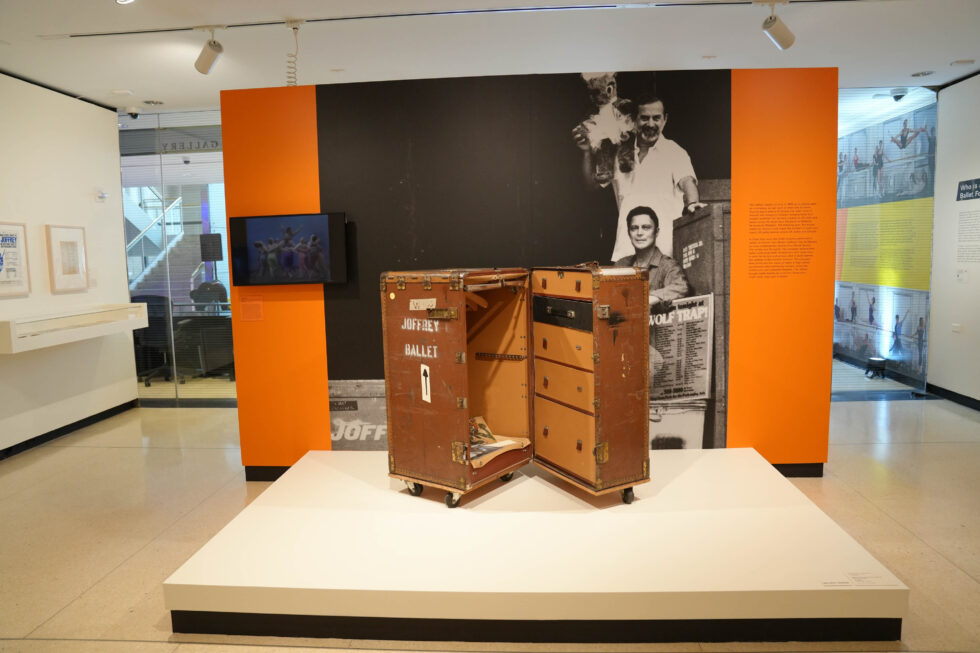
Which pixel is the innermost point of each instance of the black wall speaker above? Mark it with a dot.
(211, 247)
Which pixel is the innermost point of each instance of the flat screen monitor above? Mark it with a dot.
(274, 250)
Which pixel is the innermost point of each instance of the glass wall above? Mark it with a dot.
(885, 176)
(174, 211)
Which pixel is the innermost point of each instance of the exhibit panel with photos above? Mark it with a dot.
(884, 241)
(616, 168)
(562, 202)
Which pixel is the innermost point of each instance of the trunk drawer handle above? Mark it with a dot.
(569, 314)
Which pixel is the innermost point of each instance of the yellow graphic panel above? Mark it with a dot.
(889, 244)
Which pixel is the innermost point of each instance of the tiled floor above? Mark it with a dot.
(848, 378)
(92, 523)
(191, 388)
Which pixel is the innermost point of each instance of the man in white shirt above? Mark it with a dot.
(651, 170)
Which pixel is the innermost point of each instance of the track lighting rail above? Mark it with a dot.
(457, 12)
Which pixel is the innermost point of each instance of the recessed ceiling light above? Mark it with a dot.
(923, 73)
(709, 56)
(963, 62)
(152, 103)
(124, 2)
(122, 91)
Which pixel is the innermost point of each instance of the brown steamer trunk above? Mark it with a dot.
(591, 369)
(458, 344)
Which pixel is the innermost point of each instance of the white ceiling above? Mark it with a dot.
(858, 108)
(873, 42)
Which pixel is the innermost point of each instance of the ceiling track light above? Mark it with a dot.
(774, 27)
(210, 52)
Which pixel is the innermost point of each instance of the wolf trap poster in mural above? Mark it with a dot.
(623, 168)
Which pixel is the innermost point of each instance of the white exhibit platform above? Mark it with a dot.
(717, 546)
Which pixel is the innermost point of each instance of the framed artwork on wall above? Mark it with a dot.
(15, 279)
(67, 262)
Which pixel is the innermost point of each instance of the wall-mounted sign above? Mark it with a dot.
(170, 140)
(968, 190)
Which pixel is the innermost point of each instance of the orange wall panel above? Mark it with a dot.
(270, 160)
(784, 140)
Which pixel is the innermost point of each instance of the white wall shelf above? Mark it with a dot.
(38, 331)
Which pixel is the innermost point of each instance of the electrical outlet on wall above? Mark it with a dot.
(957, 327)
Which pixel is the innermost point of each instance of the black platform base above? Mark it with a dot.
(800, 470)
(484, 630)
(263, 473)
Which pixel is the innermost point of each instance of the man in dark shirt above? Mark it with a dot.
(667, 280)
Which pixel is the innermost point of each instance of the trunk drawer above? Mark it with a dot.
(565, 437)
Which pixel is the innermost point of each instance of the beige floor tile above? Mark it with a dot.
(62, 536)
(35, 467)
(943, 614)
(902, 421)
(929, 627)
(931, 489)
(197, 428)
(793, 647)
(190, 643)
(128, 602)
(80, 646)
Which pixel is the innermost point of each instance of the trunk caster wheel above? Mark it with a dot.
(414, 489)
(508, 477)
(452, 499)
(628, 495)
